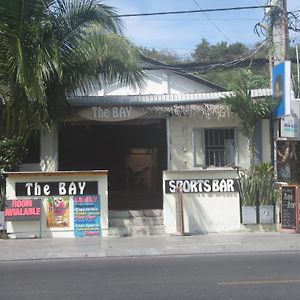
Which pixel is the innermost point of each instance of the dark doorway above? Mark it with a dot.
(134, 155)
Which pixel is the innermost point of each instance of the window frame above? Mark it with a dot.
(199, 133)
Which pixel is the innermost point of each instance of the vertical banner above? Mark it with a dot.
(87, 216)
(281, 86)
(58, 212)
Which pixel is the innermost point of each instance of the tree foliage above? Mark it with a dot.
(222, 51)
(51, 49)
(258, 75)
(228, 78)
(165, 55)
(248, 110)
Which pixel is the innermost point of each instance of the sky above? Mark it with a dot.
(181, 33)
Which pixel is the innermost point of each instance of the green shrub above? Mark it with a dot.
(258, 185)
(11, 154)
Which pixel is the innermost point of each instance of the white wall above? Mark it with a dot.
(203, 212)
(158, 82)
(49, 151)
(29, 228)
(181, 144)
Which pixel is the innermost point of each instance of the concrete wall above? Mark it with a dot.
(181, 141)
(203, 212)
(30, 228)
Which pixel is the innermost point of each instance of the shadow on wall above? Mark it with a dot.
(211, 213)
(198, 219)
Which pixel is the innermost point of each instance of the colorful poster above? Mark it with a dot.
(23, 210)
(58, 212)
(87, 216)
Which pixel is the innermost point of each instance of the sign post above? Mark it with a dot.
(289, 207)
(2, 223)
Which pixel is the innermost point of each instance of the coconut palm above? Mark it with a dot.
(52, 49)
(249, 111)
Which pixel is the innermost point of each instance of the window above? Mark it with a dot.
(214, 147)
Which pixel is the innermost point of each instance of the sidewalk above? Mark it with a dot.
(61, 248)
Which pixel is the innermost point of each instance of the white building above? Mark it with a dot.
(175, 131)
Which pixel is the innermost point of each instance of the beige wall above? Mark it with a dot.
(181, 141)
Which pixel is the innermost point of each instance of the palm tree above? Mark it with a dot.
(50, 50)
(249, 111)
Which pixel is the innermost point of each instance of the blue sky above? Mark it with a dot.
(181, 33)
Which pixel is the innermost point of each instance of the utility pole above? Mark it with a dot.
(279, 32)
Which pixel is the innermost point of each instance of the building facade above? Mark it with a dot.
(173, 135)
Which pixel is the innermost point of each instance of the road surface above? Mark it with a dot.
(235, 276)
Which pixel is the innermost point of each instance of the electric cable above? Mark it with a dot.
(213, 23)
(193, 11)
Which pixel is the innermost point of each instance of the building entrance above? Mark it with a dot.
(133, 152)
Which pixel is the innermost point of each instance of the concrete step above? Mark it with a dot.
(135, 213)
(136, 221)
(136, 231)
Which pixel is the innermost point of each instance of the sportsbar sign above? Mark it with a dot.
(61, 188)
(22, 210)
(202, 185)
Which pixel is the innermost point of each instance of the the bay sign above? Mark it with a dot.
(60, 188)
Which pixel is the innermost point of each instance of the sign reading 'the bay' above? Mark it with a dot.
(111, 114)
(202, 185)
(60, 188)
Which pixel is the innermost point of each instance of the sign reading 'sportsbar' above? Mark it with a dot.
(60, 188)
(202, 185)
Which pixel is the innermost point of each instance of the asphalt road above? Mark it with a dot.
(235, 276)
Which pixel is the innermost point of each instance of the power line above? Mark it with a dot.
(247, 59)
(194, 11)
(213, 23)
(197, 19)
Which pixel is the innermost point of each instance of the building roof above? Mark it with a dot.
(160, 100)
(158, 65)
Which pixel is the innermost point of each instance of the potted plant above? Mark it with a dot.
(248, 195)
(267, 193)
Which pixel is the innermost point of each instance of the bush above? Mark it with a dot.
(11, 154)
(258, 185)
